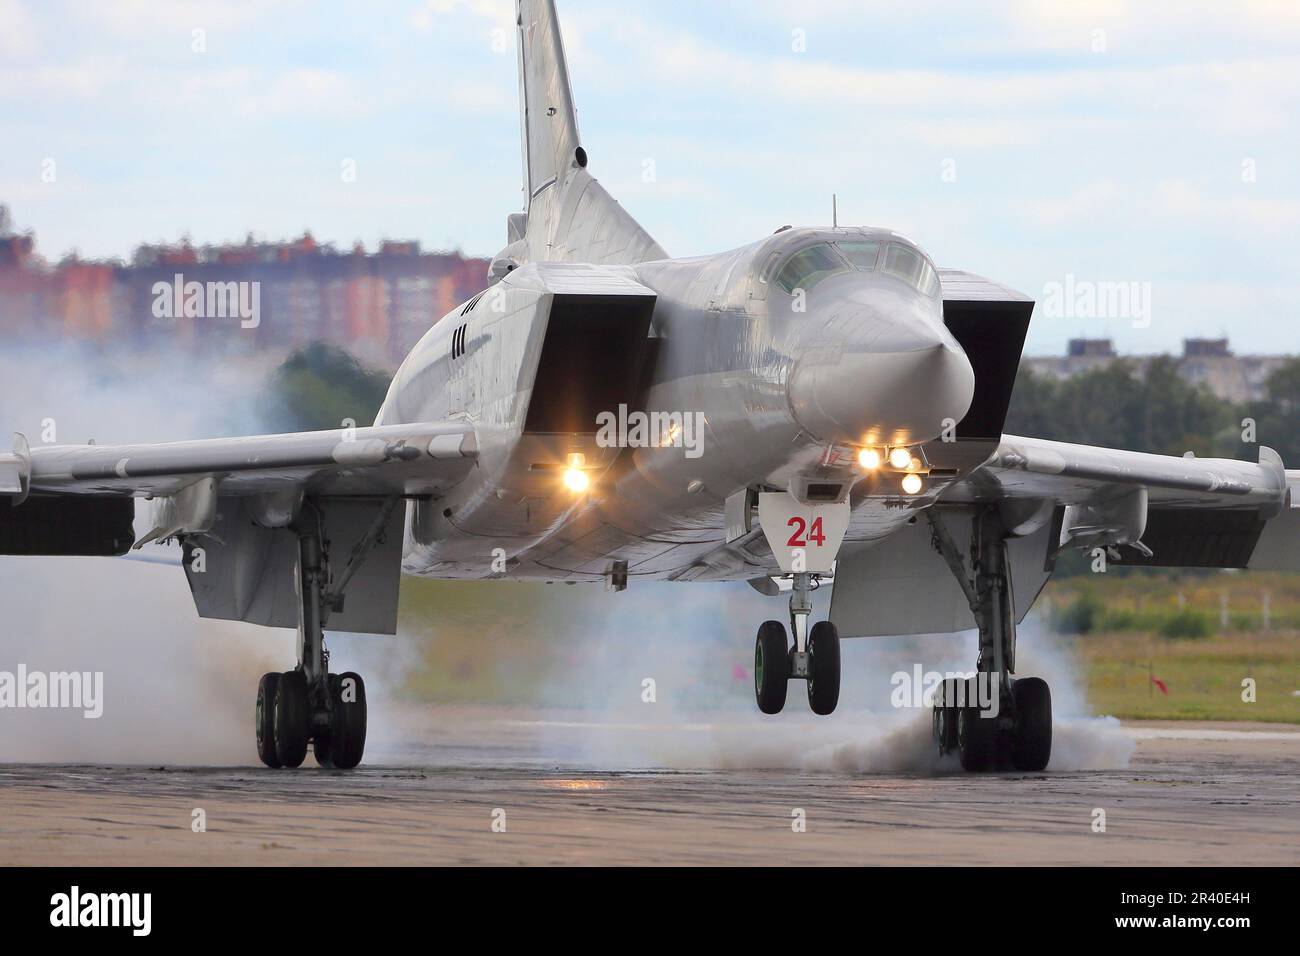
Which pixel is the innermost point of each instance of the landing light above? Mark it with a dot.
(576, 480)
(900, 457)
(869, 459)
(912, 484)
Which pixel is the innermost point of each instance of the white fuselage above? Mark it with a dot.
(783, 382)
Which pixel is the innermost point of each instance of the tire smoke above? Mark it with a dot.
(687, 640)
(177, 689)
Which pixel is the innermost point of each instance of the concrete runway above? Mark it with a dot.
(1190, 795)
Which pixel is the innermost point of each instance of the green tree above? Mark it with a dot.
(319, 387)
(1034, 404)
(1177, 417)
(1278, 416)
(1153, 410)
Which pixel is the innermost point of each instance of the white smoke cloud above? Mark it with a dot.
(696, 642)
(177, 689)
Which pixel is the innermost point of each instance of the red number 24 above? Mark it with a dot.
(815, 533)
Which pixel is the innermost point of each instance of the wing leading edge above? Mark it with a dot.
(76, 499)
(384, 459)
(1162, 510)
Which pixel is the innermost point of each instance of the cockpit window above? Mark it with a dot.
(930, 281)
(910, 266)
(863, 255)
(809, 266)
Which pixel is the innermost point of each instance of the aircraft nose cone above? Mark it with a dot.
(903, 389)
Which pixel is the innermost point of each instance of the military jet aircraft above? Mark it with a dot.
(820, 399)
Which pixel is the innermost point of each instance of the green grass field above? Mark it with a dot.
(1127, 643)
(1204, 677)
(498, 641)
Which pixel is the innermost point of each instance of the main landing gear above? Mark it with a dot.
(308, 704)
(992, 721)
(815, 656)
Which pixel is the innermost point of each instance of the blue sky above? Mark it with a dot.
(1110, 141)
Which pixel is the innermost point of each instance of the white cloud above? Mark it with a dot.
(311, 91)
(427, 14)
(87, 79)
(1188, 201)
(19, 35)
(146, 17)
(1083, 205)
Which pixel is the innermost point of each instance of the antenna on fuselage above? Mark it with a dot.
(835, 212)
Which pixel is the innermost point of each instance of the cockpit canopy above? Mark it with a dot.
(807, 267)
(810, 265)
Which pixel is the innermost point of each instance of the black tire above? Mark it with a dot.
(322, 741)
(292, 719)
(264, 717)
(977, 735)
(771, 667)
(1031, 744)
(348, 731)
(823, 668)
(320, 748)
(945, 716)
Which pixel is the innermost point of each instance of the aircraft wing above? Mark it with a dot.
(1160, 510)
(378, 460)
(1142, 509)
(76, 499)
(1070, 473)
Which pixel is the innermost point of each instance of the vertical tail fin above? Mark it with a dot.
(571, 218)
(548, 123)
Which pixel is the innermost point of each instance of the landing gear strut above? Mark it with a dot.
(991, 720)
(309, 704)
(814, 658)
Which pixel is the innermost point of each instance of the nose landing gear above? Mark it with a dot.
(814, 658)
